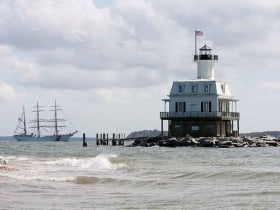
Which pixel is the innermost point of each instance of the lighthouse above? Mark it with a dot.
(201, 106)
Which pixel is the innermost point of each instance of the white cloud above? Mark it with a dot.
(7, 93)
(61, 39)
(117, 51)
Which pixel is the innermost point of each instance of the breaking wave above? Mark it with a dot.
(75, 170)
(100, 162)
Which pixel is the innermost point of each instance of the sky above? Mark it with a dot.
(109, 63)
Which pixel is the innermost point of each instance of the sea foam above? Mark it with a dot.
(64, 169)
(100, 162)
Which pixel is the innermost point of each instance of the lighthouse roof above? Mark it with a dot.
(205, 48)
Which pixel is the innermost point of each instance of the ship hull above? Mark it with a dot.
(64, 138)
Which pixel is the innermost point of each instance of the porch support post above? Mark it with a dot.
(237, 127)
(221, 130)
(162, 129)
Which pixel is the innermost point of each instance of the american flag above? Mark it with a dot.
(199, 33)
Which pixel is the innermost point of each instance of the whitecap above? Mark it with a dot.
(100, 162)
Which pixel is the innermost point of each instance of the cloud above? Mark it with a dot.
(113, 51)
(47, 24)
(7, 93)
(54, 40)
(144, 42)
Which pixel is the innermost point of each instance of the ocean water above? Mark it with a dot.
(64, 175)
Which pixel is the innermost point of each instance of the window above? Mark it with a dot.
(180, 89)
(195, 128)
(206, 88)
(180, 107)
(193, 89)
(223, 88)
(206, 106)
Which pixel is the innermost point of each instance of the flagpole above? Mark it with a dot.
(196, 33)
(195, 42)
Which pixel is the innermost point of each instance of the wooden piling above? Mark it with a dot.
(97, 140)
(84, 140)
(114, 142)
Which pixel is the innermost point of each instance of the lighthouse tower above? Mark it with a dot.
(205, 63)
(202, 106)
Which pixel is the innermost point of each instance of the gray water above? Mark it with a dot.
(64, 175)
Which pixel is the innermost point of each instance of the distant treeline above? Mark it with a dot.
(145, 133)
(257, 134)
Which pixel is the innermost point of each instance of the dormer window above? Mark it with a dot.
(180, 88)
(223, 88)
(193, 90)
(206, 88)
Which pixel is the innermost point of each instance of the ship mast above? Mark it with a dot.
(38, 119)
(55, 119)
(24, 122)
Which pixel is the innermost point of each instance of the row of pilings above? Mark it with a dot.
(104, 139)
(219, 142)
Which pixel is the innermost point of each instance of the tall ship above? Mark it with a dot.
(44, 129)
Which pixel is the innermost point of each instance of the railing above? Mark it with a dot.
(205, 57)
(223, 115)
